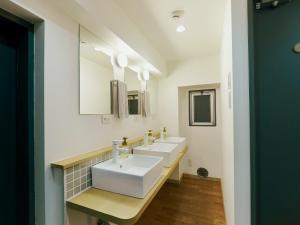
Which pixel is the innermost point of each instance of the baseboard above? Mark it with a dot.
(173, 181)
(202, 178)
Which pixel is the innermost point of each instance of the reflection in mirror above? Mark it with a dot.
(133, 88)
(133, 103)
(96, 72)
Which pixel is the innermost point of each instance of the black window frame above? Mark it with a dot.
(214, 114)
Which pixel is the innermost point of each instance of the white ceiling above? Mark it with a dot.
(203, 20)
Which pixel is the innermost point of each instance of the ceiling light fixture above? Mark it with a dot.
(177, 16)
(180, 28)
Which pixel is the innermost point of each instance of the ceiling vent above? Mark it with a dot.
(177, 14)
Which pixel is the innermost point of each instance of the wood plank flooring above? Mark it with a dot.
(196, 201)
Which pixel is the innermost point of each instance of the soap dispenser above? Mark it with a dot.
(150, 137)
(164, 133)
(124, 150)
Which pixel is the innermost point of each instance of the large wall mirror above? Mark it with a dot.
(96, 72)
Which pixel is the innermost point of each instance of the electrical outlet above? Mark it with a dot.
(107, 119)
(190, 162)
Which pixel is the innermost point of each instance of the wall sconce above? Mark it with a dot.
(120, 60)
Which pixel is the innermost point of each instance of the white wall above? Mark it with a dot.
(67, 133)
(241, 112)
(152, 88)
(188, 73)
(94, 87)
(236, 148)
(227, 118)
(204, 141)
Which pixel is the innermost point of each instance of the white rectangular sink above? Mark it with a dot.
(167, 151)
(134, 176)
(180, 141)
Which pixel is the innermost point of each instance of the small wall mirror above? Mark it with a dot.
(96, 72)
(133, 88)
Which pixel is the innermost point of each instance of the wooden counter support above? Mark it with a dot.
(116, 208)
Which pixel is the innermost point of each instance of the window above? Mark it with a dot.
(133, 103)
(202, 108)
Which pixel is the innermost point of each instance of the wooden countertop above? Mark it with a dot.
(117, 208)
(66, 163)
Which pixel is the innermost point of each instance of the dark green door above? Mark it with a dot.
(16, 134)
(8, 59)
(275, 115)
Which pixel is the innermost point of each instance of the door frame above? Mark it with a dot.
(252, 93)
(30, 108)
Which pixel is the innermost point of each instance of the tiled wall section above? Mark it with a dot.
(78, 178)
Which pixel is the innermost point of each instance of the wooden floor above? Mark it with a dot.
(196, 201)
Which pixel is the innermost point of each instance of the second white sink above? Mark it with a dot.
(167, 151)
(180, 141)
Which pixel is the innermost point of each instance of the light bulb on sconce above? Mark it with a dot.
(139, 76)
(122, 60)
(113, 60)
(119, 60)
(146, 75)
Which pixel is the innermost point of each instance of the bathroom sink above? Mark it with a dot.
(134, 176)
(167, 151)
(180, 141)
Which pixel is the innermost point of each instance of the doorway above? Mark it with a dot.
(275, 107)
(17, 145)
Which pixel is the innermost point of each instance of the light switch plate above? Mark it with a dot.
(229, 99)
(107, 119)
(229, 84)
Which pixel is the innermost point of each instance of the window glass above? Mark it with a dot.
(133, 103)
(202, 108)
